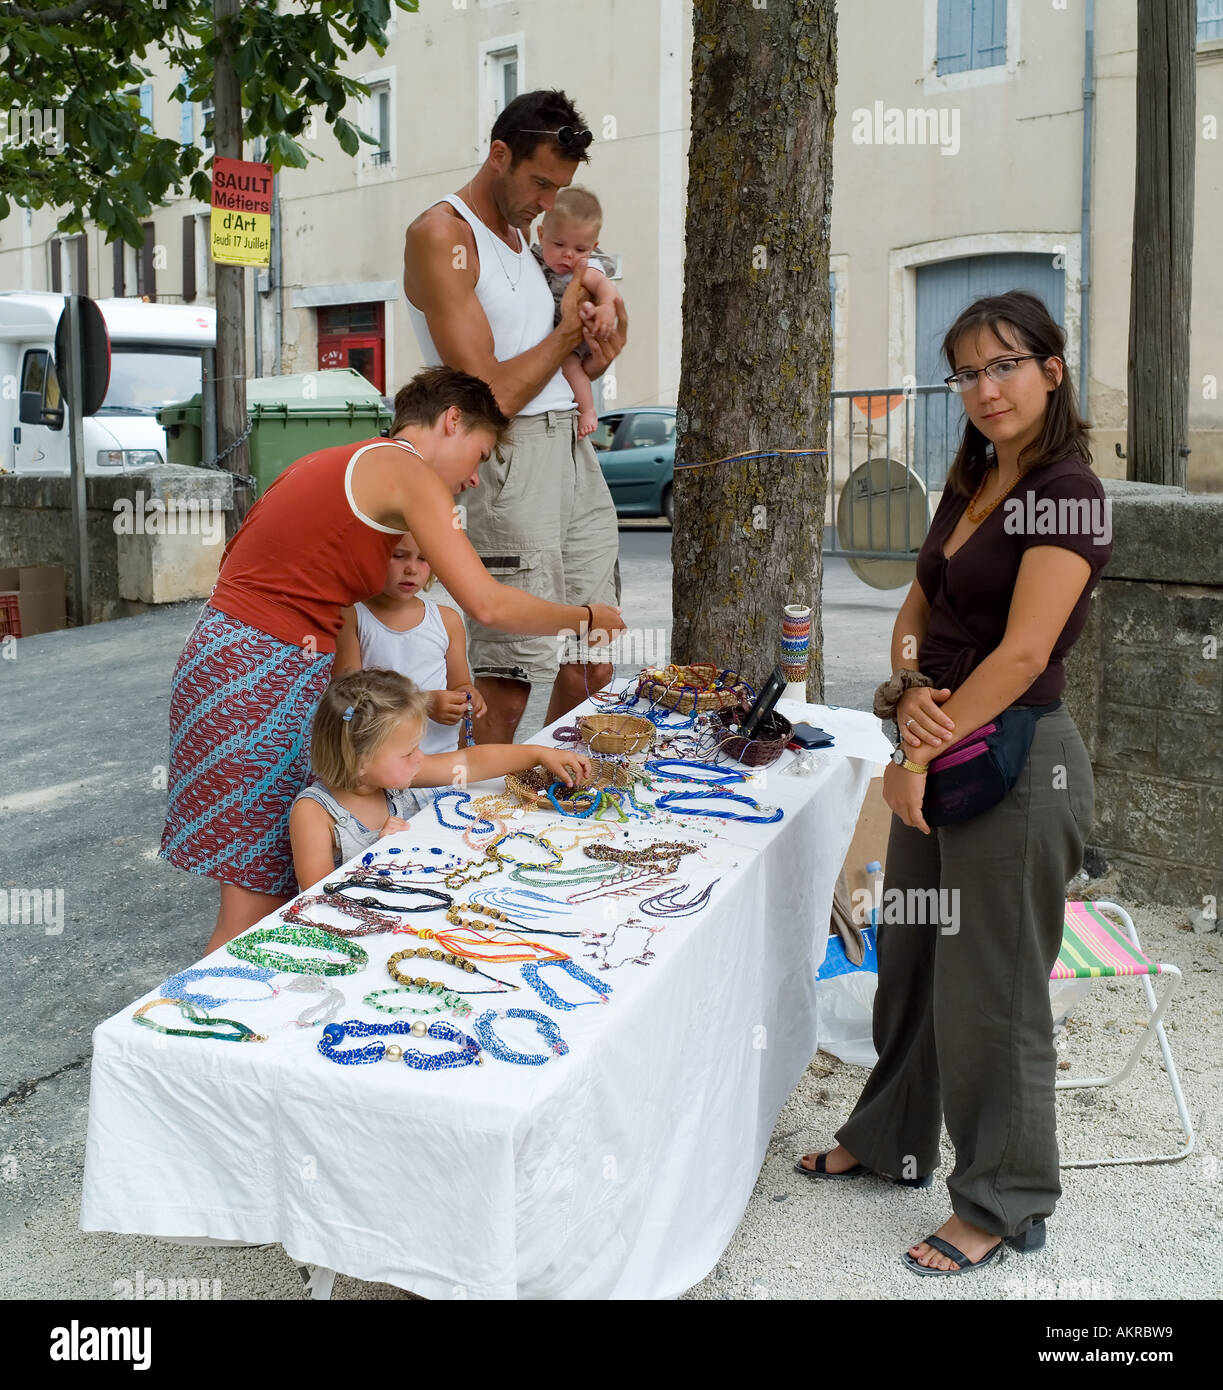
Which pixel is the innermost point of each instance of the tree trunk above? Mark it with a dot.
(231, 284)
(757, 354)
(1157, 432)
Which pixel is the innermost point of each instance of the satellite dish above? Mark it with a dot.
(879, 489)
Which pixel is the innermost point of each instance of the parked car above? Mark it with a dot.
(636, 449)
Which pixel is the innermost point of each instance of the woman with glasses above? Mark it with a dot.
(962, 1022)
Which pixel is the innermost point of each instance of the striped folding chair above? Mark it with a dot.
(1092, 948)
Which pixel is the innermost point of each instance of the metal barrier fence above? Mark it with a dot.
(888, 450)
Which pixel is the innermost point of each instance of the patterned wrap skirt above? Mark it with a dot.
(242, 704)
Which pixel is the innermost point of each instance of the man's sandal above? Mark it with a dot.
(1029, 1241)
(859, 1170)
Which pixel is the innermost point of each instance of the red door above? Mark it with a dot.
(352, 335)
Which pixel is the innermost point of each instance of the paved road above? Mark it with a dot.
(82, 793)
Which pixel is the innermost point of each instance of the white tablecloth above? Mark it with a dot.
(620, 1170)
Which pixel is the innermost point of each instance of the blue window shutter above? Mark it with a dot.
(954, 35)
(988, 33)
(188, 120)
(1210, 19)
(146, 104)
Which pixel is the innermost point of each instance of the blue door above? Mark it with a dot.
(943, 290)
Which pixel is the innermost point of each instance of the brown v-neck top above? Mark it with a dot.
(1060, 503)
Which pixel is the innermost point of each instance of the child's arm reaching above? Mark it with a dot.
(603, 293)
(485, 760)
(449, 706)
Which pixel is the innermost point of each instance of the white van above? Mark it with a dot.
(156, 358)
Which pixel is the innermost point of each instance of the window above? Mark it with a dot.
(971, 34)
(207, 115)
(605, 432)
(379, 124)
(648, 430)
(505, 77)
(146, 271)
(502, 76)
(187, 118)
(146, 104)
(69, 265)
(205, 266)
(123, 269)
(1210, 20)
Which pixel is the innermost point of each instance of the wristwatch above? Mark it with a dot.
(899, 758)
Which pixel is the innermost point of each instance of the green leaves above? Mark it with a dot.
(111, 167)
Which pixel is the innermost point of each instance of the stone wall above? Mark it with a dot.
(155, 536)
(1145, 686)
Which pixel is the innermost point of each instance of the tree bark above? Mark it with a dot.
(230, 283)
(757, 354)
(1157, 430)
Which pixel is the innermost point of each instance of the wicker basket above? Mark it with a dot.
(767, 745)
(531, 786)
(694, 689)
(616, 733)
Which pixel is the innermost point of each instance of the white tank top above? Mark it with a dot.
(419, 654)
(517, 302)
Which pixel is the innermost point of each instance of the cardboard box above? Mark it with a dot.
(40, 596)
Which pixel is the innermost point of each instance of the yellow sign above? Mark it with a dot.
(241, 212)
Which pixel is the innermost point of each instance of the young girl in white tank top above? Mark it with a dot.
(399, 630)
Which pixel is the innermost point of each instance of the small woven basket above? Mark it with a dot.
(766, 747)
(616, 733)
(531, 786)
(695, 689)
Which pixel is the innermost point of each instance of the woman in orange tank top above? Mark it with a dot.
(244, 691)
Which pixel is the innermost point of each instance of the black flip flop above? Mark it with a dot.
(859, 1170)
(1026, 1243)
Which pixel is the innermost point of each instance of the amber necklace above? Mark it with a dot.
(978, 517)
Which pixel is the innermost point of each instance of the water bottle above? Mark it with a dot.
(874, 882)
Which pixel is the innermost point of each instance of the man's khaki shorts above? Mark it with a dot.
(542, 520)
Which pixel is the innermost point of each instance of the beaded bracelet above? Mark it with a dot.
(423, 1061)
(173, 987)
(243, 1034)
(250, 947)
(530, 973)
(491, 1043)
(449, 1000)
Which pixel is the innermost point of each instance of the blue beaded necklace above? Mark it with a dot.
(478, 824)
(530, 973)
(548, 1030)
(723, 776)
(335, 1033)
(173, 987)
(672, 799)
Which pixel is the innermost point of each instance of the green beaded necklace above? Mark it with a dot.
(449, 1000)
(189, 1010)
(250, 947)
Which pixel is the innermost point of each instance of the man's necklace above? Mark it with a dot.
(513, 284)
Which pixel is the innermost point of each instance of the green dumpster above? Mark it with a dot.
(291, 416)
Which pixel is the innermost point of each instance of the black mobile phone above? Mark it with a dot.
(808, 736)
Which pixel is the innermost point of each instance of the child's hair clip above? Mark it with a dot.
(347, 715)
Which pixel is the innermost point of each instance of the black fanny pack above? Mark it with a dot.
(978, 771)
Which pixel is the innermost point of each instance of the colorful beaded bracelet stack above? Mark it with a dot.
(251, 947)
(449, 1000)
(242, 1033)
(336, 1033)
(491, 1043)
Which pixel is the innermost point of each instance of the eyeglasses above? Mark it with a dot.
(1002, 370)
(567, 137)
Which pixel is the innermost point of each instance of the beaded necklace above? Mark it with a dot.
(335, 1033)
(464, 945)
(530, 973)
(251, 947)
(669, 799)
(648, 878)
(461, 799)
(242, 1033)
(522, 901)
(500, 922)
(606, 940)
(373, 922)
(723, 776)
(370, 861)
(435, 899)
(327, 1007)
(443, 958)
(660, 854)
(581, 835)
(668, 904)
(173, 988)
(491, 1043)
(449, 999)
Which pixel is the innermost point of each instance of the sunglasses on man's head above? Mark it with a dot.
(567, 137)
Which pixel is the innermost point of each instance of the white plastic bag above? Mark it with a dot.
(843, 1016)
